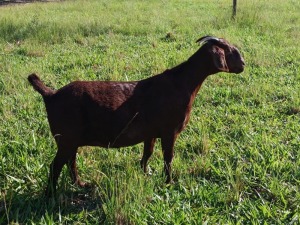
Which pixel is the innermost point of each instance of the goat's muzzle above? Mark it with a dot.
(239, 68)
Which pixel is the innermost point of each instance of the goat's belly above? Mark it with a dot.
(123, 138)
(124, 141)
(113, 143)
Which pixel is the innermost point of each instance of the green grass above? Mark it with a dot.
(237, 162)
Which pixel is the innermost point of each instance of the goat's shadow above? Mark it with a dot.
(28, 207)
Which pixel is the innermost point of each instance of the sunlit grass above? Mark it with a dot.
(237, 162)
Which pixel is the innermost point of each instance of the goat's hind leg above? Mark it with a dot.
(55, 169)
(63, 155)
(148, 150)
(74, 172)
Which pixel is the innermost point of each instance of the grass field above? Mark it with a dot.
(237, 162)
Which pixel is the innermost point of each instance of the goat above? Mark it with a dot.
(117, 114)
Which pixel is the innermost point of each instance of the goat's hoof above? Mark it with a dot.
(148, 171)
(169, 181)
(83, 184)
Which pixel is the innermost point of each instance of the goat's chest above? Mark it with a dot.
(178, 115)
(184, 120)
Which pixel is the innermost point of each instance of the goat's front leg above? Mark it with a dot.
(73, 171)
(168, 152)
(148, 150)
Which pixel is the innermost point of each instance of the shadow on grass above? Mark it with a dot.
(14, 2)
(28, 207)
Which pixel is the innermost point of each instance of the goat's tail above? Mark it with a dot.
(39, 86)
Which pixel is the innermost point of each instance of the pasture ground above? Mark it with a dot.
(237, 162)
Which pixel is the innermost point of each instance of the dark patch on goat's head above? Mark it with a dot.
(225, 57)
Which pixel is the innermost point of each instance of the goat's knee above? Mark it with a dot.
(148, 150)
(168, 151)
(168, 169)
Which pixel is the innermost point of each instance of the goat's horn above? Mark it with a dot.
(207, 38)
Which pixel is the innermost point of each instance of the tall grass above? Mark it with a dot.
(237, 162)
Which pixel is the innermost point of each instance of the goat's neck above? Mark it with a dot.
(191, 74)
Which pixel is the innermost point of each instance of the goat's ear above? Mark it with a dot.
(219, 58)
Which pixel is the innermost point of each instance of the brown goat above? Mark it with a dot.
(117, 114)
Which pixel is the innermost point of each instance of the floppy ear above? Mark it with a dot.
(219, 59)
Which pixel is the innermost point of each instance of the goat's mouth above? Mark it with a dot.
(241, 67)
(238, 70)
